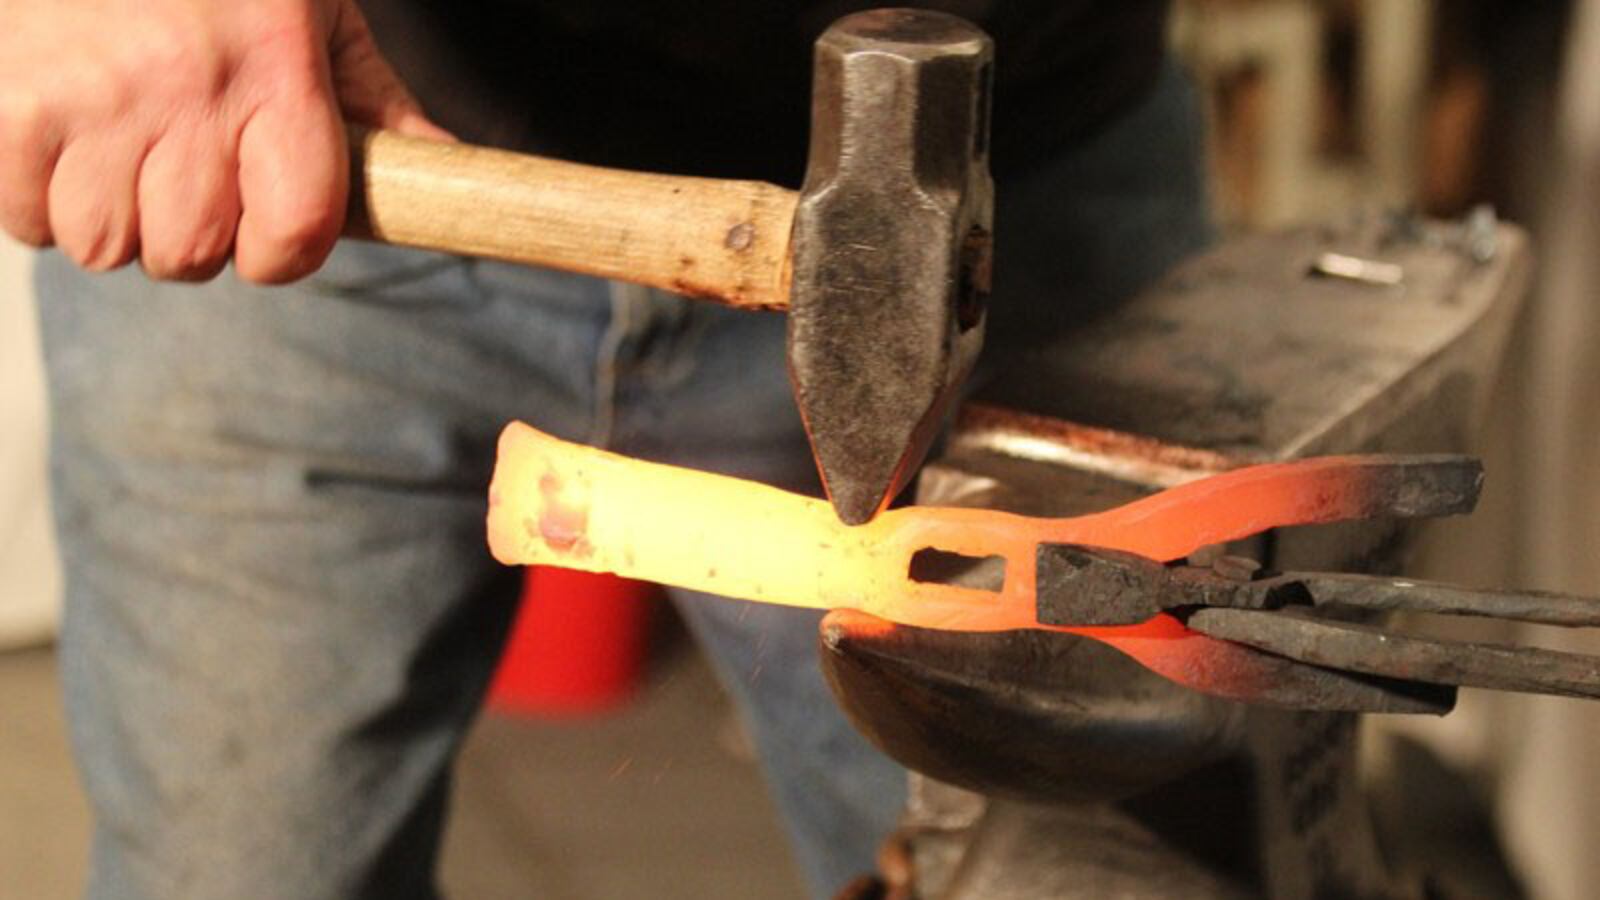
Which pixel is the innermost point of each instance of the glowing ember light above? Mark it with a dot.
(561, 504)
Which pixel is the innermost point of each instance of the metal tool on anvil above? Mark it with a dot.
(882, 259)
(1278, 612)
(556, 503)
(1217, 629)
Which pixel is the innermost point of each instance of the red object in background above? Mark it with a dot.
(577, 645)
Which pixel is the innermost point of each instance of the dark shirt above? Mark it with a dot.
(721, 87)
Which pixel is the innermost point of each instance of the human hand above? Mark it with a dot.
(183, 132)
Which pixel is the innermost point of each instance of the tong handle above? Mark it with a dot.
(1336, 590)
(1372, 650)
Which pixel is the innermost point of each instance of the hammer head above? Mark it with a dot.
(892, 245)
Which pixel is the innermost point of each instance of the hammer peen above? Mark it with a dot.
(882, 259)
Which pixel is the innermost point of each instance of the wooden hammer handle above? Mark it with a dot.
(708, 238)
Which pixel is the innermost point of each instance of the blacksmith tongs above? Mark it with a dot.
(1320, 618)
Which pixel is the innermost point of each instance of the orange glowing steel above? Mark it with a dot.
(561, 504)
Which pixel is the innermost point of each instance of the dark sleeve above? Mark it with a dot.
(721, 87)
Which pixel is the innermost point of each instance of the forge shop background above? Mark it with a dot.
(1542, 527)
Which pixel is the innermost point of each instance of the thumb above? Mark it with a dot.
(366, 86)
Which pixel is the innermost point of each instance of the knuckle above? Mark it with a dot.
(167, 49)
(268, 259)
(27, 223)
(187, 67)
(24, 122)
(191, 70)
(26, 230)
(99, 92)
(182, 268)
(264, 270)
(159, 266)
(101, 248)
(114, 252)
(303, 227)
(203, 270)
(288, 51)
(195, 257)
(115, 244)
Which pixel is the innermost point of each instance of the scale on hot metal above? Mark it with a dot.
(1051, 765)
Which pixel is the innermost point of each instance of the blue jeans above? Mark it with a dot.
(281, 616)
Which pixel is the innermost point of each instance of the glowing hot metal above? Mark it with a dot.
(562, 504)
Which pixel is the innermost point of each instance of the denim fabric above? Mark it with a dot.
(281, 616)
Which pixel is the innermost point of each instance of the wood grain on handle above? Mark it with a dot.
(714, 239)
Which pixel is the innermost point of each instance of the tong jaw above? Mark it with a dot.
(1307, 617)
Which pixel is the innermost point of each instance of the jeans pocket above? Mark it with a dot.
(384, 275)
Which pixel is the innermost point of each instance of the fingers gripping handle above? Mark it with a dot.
(713, 239)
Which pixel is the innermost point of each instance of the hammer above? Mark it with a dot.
(882, 259)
